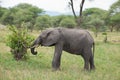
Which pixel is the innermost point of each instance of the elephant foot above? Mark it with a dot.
(85, 70)
(56, 69)
(92, 68)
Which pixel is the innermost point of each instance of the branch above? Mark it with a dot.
(81, 7)
(72, 6)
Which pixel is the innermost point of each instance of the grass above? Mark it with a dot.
(107, 62)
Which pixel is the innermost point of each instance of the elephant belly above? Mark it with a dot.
(72, 49)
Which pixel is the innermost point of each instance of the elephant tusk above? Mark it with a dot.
(35, 46)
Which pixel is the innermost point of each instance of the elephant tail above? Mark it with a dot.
(93, 49)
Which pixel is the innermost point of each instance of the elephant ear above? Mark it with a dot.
(60, 32)
(51, 37)
(48, 33)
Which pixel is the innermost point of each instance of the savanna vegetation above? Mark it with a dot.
(38, 67)
(104, 25)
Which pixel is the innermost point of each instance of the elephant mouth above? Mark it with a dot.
(48, 44)
(52, 44)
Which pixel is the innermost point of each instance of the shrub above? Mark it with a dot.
(19, 41)
(67, 22)
(105, 38)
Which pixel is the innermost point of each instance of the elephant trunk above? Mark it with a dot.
(33, 51)
(34, 45)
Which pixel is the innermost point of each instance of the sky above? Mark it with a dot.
(59, 5)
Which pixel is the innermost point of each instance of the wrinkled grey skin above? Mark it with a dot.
(74, 41)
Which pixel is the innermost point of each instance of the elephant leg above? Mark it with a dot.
(86, 62)
(57, 57)
(86, 56)
(86, 65)
(56, 61)
(92, 66)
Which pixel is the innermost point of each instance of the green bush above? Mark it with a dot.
(105, 38)
(67, 22)
(19, 41)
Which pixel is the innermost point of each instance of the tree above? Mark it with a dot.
(7, 17)
(68, 22)
(63, 21)
(43, 22)
(96, 24)
(114, 16)
(30, 14)
(22, 13)
(94, 18)
(2, 11)
(115, 20)
(77, 19)
(97, 12)
(56, 20)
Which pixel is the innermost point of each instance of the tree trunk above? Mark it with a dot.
(72, 6)
(105, 39)
(81, 7)
(19, 54)
(111, 28)
(77, 19)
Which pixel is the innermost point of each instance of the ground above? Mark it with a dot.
(107, 62)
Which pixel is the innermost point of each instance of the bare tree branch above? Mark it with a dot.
(79, 18)
(81, 7)
(72, 6)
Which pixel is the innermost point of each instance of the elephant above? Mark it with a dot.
(74, 41)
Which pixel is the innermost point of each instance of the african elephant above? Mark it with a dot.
(74, 41)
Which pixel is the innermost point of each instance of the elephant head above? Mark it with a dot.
(48, 37)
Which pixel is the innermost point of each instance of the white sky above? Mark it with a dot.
(59, 5)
